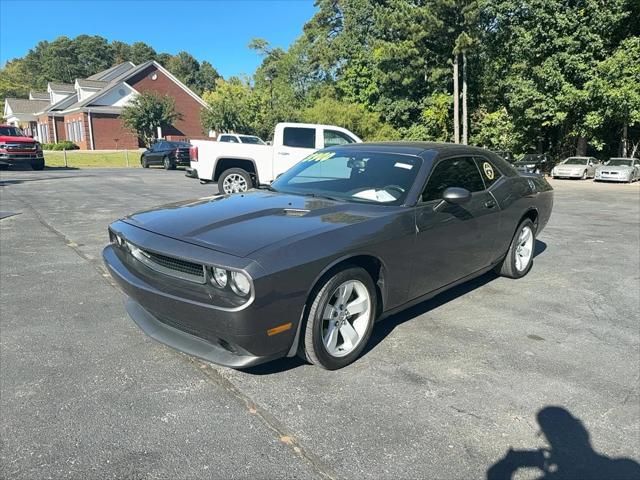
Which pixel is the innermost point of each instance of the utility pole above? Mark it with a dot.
(465, 123)
(456, 99)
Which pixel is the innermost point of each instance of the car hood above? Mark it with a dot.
(10, 139)
(241, 224)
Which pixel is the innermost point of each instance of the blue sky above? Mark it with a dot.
(217, 31)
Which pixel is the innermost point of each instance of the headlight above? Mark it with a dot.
(218, 277)
(240, 284)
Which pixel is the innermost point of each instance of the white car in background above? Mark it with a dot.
(237, 167)
(240, 138)
(619, 170)
(576, 167)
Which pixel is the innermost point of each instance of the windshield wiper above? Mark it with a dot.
(267, 187)
(319, 195)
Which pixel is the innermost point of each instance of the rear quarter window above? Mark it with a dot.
(299, 137)
(489, 172)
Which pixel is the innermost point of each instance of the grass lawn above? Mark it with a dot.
(76, 158)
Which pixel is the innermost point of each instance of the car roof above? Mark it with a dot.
(413, 148)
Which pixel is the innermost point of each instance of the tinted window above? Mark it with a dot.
(178, 144)
(352, 175)
(228, 139)
(490, 174)
(251, 139)
(300, 137)
(10, 132)
(455, 172)
(333, 137)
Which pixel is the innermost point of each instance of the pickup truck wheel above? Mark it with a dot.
(234, 180)
(37, 165)
(340, 319)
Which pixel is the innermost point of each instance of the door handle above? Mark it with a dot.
(489, 204)
(283, 153)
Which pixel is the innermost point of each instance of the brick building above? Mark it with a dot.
(88, 111)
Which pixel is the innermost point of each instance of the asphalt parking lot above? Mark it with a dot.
(445, 390)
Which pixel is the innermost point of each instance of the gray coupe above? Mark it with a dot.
(619, 170)
(307, 265)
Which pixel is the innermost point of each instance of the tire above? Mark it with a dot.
(168, 164)
(323, 316)
(234, 180)
(37, 165)
(511, 266)
(144, 162)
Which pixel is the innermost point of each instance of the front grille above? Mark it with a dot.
(174, 267)
(21, 147)
(610, 173)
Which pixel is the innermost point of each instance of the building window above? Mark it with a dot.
(81, 129)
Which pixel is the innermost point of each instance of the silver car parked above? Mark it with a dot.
(619, 170)
(576, 167)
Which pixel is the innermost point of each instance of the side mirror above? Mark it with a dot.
(456, 195)
(453, 196)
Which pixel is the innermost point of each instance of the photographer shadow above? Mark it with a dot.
(570, 456)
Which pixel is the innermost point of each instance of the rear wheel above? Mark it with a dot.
(340, 319)
(37, 164)
(168, 164)
(519, 258)
(234, 180)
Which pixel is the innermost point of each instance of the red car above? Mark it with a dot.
(16, 148)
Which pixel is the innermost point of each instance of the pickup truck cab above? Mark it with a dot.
(18, 149)
(237, 167)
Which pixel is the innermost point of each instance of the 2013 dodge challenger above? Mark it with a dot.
(305, 266)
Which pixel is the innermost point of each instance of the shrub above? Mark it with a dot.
(66, 145)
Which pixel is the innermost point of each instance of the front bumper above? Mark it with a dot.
(19, 159)
(170, 310)
(609, 177)
(568, 175)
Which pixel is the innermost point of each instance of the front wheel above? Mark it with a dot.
(234, 180)
(519, 258)
(340, 319)
(144, 162)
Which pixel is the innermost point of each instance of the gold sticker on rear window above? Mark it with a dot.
(319, 156)
(488, 170)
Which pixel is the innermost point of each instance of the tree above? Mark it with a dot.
(140, 52)
(14, 80)
(230, 107)
(351, 116)
(148, 111)
(495, 130)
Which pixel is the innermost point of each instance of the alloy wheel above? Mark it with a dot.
(524, 249)
(345, 318)
(234, 183)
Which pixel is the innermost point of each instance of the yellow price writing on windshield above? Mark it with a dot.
(319, 156)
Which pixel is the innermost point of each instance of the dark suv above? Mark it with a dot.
(534, 163)
(165, 153)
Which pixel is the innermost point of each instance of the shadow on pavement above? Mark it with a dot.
(384, 328)
(570, 456)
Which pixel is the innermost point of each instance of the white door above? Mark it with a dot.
(297, 143)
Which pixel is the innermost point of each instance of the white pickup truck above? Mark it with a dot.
(238, 167)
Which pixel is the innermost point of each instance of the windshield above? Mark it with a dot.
(11, 132)
(620, 162)
(531, 157)
(251, 139)
(575, 161)
(351, 175)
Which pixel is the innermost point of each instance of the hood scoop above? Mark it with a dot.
(295, 212)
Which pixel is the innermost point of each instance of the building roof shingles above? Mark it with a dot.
(91, 83)
(62, 87)
(21, 105)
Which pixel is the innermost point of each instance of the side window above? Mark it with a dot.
(227, 139)
(333, 137)
(299, 137)
(490, 174)
(454, 172)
